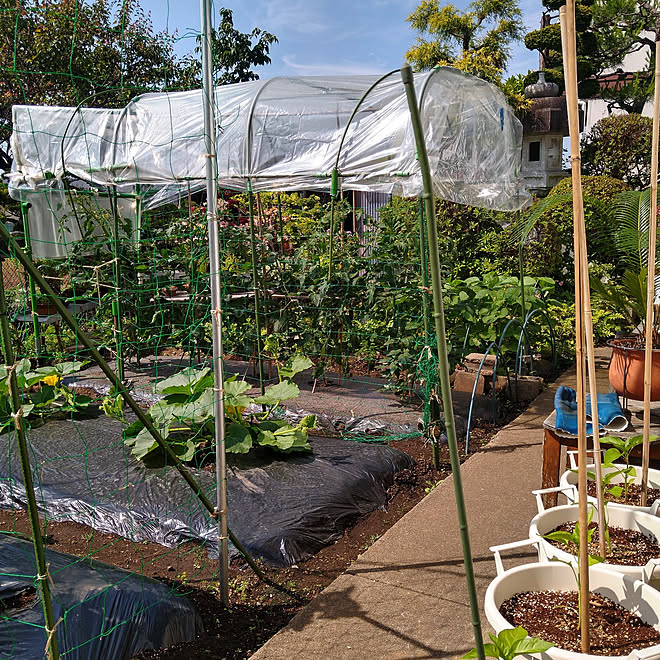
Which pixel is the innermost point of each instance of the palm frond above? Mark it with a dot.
(521, 229)
(634, 284)
(610, 294)
(632, 210)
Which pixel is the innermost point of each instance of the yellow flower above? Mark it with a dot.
(51, 380)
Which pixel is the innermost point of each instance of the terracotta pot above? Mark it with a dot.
(627, 371)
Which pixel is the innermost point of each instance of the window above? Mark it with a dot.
(534, 151)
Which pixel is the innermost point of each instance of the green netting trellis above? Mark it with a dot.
(108, 186)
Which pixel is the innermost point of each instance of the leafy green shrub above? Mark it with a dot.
(477, 310)
(460, 228)
(619, 146)
(548, 250)
(606, 324)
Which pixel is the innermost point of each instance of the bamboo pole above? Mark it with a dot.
(650, 284)
(52, 648)
(443, 358)
(567, 22)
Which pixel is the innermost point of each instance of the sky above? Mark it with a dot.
(324, 37)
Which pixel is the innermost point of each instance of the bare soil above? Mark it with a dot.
(634, 495)
(258, 610)
(553, 617)
(629, 547)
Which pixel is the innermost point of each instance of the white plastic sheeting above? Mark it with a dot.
(286, 134)
(58, 220)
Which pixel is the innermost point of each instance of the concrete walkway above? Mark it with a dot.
(406, 596)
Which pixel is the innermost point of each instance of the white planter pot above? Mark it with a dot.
(632, 594)
(624, 517)
(569, 479)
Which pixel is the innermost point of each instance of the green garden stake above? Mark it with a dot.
(521, 269)
(433, 410)
(36, 329)
(52, 648)
(443, 357)
(334, 188)
(280, 223)
(116, 303)
(255, 289)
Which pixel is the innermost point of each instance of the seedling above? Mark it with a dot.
(622, 448)
(511, 643)
(572, 541)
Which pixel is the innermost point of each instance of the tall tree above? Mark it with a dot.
(547, 40)
(235, 53)
(65, 52)
(102, 53)
(476, 40)
(607, 31)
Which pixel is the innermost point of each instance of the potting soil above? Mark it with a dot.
(282, 508)
(102, 611)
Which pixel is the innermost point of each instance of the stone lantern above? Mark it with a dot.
(544, 128)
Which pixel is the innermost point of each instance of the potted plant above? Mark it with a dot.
(632, 209)
(621, 480)
(635, 596)
(626, 518)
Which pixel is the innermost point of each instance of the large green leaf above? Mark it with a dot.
(294, 365)
(278, 392)
(532, 645)
(611, 455)
(144, 443)
(238, 439)
(561, 537)
(235, 393)
(187, 381)
(192, 412)
(280, 435)
(280, 441)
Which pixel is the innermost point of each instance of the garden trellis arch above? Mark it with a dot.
(286, 134)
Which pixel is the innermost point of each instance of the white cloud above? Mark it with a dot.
(296, 15)
(346, 68)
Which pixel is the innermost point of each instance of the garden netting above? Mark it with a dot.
(283, 509)
(102, 611)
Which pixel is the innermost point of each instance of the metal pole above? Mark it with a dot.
(443, 357)
(37, 539)
(216, 298)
